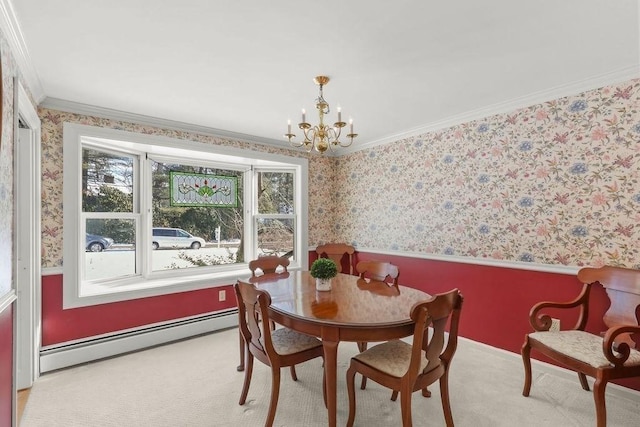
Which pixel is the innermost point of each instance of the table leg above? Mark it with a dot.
(330, 348)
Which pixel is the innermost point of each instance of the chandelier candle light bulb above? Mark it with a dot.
(321, 137)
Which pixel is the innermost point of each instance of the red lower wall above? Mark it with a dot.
(496, 303)
(60, 325)
(6, 366)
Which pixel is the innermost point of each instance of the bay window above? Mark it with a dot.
(146, 215)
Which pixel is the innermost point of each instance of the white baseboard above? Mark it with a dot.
(69, 354)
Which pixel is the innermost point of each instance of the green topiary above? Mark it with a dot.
(323, 268)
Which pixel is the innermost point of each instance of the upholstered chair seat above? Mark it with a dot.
(286, 341)
(580, 345)
(392, 358)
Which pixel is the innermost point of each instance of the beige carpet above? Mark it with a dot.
(195, 383)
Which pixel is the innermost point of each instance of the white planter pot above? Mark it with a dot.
(323, 284)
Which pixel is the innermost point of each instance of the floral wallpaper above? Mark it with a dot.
(52, 172)
(553, 183)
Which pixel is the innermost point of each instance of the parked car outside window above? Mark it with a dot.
(164, 237)
(95, 243)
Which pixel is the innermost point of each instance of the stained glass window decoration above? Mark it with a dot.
(195, 189)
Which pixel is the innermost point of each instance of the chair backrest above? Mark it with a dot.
(253, 316)
(623, 289)
(268, 264)
(337, 251)
(440, 311)
(378, 270)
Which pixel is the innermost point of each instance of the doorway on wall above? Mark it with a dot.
(27, 238)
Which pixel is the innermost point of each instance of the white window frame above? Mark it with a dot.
(78, 294)
(134, 215)
(257, 215)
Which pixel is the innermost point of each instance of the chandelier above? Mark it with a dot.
(321, 137)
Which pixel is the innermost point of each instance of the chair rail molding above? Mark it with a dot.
(7, 299)
(499, 263)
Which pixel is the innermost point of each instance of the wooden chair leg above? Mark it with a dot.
(362, 346)
(247, 379)
(583, 381)
(444, 395)
(526, 360)
(293, 373)
(324, 388)
(363, 383)
(405, 407)
(240, 367)
(275, 391)
(598, 396)
(351, 391)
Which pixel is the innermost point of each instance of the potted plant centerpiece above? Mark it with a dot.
(323, 269)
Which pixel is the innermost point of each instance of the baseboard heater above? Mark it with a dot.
(69, 354)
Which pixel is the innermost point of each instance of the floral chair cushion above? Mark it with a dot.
(580, 345)
(285, 341)
(392, 357)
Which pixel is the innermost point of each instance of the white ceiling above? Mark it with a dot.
(396, 68)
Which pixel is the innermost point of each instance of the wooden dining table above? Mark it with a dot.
(355, 309)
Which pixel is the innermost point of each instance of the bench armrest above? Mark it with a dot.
(542, 322)
(617, 343)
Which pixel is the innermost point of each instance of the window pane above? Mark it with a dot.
(189, 205)
(107, 182)
(275, 193)
(110, 249)
(275, 236)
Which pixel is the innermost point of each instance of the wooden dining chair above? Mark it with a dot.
(377, 271)
(266, 265)
(277, 348)
(336, 252)
(609, 355)
(406, 368)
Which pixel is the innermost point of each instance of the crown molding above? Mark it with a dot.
(557, 92)
(13, 34)
(573, 88)
(108, 113)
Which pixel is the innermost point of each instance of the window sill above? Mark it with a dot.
(94, 293)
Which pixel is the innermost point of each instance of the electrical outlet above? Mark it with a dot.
(222, 295)
(555, 325)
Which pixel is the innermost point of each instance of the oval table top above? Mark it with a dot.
(351, 302)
